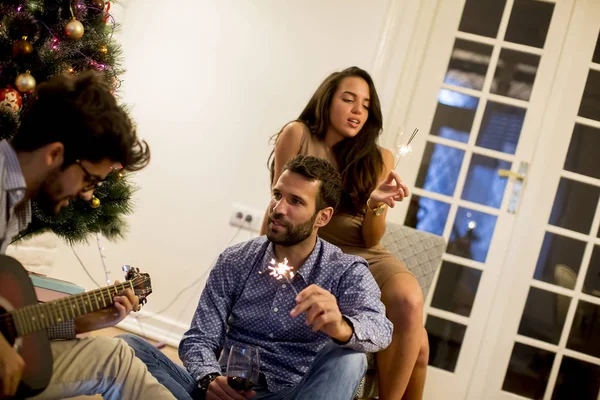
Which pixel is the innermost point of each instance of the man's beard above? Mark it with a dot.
(292, 235)
(46, 204)
(44, 200)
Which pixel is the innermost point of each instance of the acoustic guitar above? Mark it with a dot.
(23, 320)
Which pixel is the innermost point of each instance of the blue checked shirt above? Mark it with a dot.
(242, 303)
(15, 216)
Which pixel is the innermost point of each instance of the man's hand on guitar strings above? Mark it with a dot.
(124, 303)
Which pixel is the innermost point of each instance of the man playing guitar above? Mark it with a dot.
(70, 137)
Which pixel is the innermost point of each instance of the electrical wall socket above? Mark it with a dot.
(241, 214)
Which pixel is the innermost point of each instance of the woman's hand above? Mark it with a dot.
(391, 190)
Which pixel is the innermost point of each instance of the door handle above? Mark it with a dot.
(507, 173)
(518, 186)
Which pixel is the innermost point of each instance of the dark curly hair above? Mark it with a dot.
(81, 113)
(317, 169)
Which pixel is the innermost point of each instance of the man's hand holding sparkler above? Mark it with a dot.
(322, 313)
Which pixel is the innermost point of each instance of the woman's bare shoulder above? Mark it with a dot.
(294, 128)
(291, 134)
(385, 154)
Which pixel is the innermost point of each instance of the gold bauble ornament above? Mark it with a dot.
(95, 202)
(22, 47)
(25, 83)
(74, 29)
(98, 4)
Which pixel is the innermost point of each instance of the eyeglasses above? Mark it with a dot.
(92, 180)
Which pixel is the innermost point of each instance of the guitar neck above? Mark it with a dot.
(33, 318)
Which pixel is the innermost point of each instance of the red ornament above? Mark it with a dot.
(10, 99)
(106, 14)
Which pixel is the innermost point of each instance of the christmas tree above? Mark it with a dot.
(43, 38)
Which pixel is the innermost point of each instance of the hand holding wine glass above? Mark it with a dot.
(243, 366)
(219, 389)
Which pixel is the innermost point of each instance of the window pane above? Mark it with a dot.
(439, 169)
(483, 184)
(471, 234)
(529, 22)
(468, 64)
(427, 215)
(501, 127)
(586, 329)
(456, 288)
(584, 151)
(528, 371)
(574, 205)
(482, 17)
(560, 260)
(544, 315)
(591, 285)
(590, 103)
(445, 341)
(515, 74)
(454, 115)
(577, 380)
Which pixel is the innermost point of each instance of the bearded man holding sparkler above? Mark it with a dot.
(311, 328)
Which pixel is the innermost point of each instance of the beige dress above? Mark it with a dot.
(345, 230)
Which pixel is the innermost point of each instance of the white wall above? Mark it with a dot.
(209, 82)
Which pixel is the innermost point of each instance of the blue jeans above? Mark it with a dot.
(335, 374)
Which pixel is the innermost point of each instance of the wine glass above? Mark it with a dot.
(243, 366)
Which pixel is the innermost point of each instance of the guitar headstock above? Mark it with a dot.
(142, 286)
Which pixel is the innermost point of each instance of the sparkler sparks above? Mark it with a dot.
(282, 270)
(404, 149)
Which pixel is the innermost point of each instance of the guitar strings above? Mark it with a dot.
(63, 303)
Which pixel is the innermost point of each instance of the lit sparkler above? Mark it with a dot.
(282, 270)
(404, 149)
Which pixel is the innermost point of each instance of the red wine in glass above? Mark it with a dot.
(239, 383)
(243, 367)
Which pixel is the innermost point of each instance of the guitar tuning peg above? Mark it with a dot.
(126, 268)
